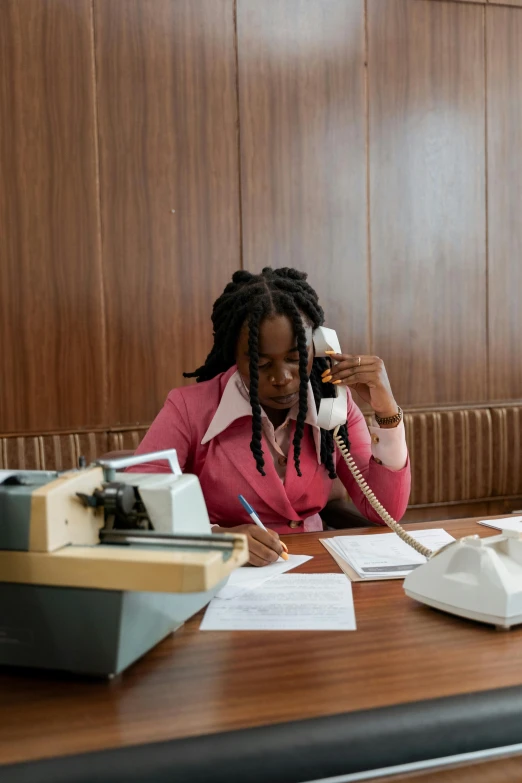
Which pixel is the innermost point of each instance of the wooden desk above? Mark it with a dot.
(196, 684)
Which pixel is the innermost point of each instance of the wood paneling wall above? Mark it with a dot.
(303, 172)
(504, 96)
(52, 356)
(427, 197)
(167, 118)
(150, 147)
(506, 2)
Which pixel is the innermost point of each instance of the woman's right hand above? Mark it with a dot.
(264, 545)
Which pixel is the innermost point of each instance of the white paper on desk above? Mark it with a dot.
(291, 602)
(385, 553)
(249, 578)
(508, 523)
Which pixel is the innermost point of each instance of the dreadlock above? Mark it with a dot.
(251, 298)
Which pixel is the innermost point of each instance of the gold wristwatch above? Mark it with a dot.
(395, 419)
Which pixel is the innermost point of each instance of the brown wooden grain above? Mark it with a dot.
(504, 80)
(52, 365)
(169, 188)
(477, 2)
(506, 2)
(234, 680)
(427, 197)
(302, 134)
(482, 509)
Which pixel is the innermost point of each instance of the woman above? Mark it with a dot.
(249, 426)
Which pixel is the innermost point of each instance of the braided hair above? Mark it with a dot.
(251, 298)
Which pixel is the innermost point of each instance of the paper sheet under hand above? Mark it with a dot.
(291, 602)
(507, 523)
(249, 577)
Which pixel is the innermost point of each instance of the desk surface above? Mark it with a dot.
(202, 683)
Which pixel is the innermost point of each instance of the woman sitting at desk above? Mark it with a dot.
(249, 426)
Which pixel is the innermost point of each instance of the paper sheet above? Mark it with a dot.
(507, 523)
(250, 578)
(383, 556)
(291, 602)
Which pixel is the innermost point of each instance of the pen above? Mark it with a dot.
(255, 519)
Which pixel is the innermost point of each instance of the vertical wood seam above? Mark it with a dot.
(486, 202)
(99, 232)
(367, 141)
(238, 125)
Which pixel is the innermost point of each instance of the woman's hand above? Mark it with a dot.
(264, 545)
(368, 376)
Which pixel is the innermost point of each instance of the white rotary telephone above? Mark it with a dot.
(480, 579)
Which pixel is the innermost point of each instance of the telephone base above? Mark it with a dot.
(476, 578)
(501, 623)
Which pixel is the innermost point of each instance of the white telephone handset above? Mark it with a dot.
(331, 415)
(332, 411)
(480, 579)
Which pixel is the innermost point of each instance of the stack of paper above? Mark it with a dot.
(508, 523)
(382, 556)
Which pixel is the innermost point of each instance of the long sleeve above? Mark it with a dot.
(169, 430)
(391, 486)
(389, 445)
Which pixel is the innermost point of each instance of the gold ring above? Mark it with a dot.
(359, 361)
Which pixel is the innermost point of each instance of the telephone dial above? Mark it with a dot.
(479, 579)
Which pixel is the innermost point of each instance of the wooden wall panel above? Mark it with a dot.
(52, 368)
(427, 196)
(167, 111)
(302, 132)
(506, 2)
(504, 96)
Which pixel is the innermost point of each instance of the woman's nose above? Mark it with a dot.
(281, 378)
